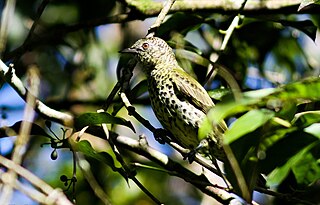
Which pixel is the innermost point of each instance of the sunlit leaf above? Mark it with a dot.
(305, 89)
(307, 118)
(305, 3)
(96, 148)
(217, 94)
(313, 129)
(245, 124)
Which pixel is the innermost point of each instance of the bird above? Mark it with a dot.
(179, 101)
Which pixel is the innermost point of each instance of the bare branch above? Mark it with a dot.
(84, 165)
(8, 74)
(23, 136)
(200, 181)
(161, 17)
(5, 22)
(54, 196)
(218, 6)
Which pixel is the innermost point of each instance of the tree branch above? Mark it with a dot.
(163, 13)
(141, 10)
(198, 158)
(23, 137)
(151, 8)
(53, 196)
(8, 74)
(200, 181)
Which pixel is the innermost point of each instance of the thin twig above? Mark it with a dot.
(286, 197)
(162, 15)
(7, 14)
(32, 193)
(8, 74)
(23, 137)
(53, 195)
(127, 169)
(200, 181)
(198, 158)
(40, 10)
(234, 24)
(84, 165)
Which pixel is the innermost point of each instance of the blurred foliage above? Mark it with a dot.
(273, 59)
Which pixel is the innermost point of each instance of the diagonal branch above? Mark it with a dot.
(163, 13)
(53, 196)
(8, 74)
(198, 158)
(200, 181)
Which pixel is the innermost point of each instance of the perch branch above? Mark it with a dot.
(198, 158)
(200, 181)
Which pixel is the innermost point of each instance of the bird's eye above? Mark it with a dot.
(145, 46)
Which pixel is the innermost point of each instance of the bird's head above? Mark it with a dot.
(151, 52)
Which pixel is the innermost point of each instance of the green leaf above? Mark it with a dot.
(282, 145)
(229, 108)
(305, 3)
(245, 124)
(305, 26)
(35, 130)
(90, 119)
(304, 119)
(280, 173)
(314, 130)
(204, 129)
(307, 170)
(217, 94)
(96, 148)
(305, 89)
(139, 89)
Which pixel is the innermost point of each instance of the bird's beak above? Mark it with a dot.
(128, 50)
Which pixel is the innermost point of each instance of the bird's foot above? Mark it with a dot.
(192, 154)
(160, 134)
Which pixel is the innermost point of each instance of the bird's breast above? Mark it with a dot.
(178, 116)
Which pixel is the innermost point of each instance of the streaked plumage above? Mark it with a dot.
(178, 100)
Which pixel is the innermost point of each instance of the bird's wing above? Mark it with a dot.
(189, 89)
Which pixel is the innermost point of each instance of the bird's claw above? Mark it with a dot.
(190, 156)
(159, 135)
